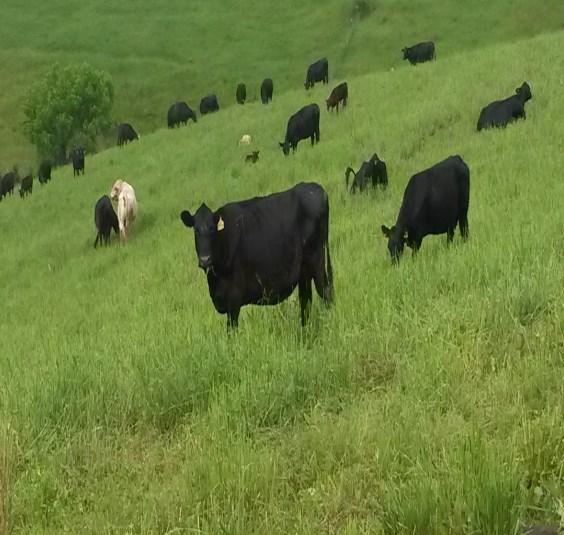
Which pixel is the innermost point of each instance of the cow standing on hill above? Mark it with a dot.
(241, 94)
(266, 90)
(420, 52)
(303, 124)
(77, 157)
(126, 133)
(258, 250)
(317, 72)
(124, 194)
(44, 172)
(501, 112)
(339, 94)
(209, 104)
(26, 187)
(105, 219)
(180, 113)
(434, 202)
(373, 172)
(7, 184)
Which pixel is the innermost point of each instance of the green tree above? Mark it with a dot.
(70, 102)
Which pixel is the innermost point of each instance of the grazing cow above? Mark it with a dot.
(77, 157)
(179, 113)
(245, 139)
(372, 172)
(105, 219)
(241, 94)
(209, 104)
(339, 94)
(303, 124)
(252, 156)
(501, 112)
(419, 53)
(26, 186)
(266, 90)
(256, 251)
(434, 202)
(126, 133)
(124, 194)
(44, 172)
(317, 72)
(7, 184)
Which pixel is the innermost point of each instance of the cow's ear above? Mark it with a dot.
(187, 218)
(386, 231)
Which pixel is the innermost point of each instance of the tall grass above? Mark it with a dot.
(429, 399)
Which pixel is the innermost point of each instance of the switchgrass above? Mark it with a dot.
(429, 399)
(159, 52)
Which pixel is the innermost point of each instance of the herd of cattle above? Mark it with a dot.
(258, 250)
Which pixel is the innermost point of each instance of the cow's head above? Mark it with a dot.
(404, 52)
(285, 147)
(116, 189)
(206, 225)
(396, 241)
(524, 92)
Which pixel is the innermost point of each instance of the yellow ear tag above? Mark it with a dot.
(220, 224)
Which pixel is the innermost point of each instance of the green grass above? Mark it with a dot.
(429, 399)
(158, 53)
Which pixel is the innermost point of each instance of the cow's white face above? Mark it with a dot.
(116, 190)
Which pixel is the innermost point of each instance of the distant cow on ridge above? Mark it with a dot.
(266, 90)
(77, 157)
(371, 173)
(339, 94)
(7, 184)
(26, 187)
(258, 250)
(434, 202)
(209, 104)
(44, 172)
(126, 133)
(105, 219)
(420, 52)
(303, 124)
(501, 112)
(241, 94)
(180, 113)
(317, 72)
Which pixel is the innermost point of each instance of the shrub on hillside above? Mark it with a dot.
(69, 103)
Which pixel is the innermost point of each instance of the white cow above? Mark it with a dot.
(124, 194)
(245, 140)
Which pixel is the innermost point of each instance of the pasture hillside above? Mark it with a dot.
(158, 52)
(428, 400)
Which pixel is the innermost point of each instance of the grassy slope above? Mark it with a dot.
(429, 400)
(186, 49)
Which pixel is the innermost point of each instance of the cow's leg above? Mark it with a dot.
(233, 318)
(313, 139)
(450, 235)
(96, 240)
(305, 298)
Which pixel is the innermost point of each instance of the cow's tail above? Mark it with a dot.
(329, 290)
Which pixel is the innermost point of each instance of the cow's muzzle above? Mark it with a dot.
(205, 262)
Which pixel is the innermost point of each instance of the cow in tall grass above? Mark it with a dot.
(124, 194)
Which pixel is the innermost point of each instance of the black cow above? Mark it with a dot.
(317, 72)
(126, 133)
(77, 157)
(105, 219)
(303, 124)
(26, 186)
(241, 94)
(252, 156)
(7, 184)
(256, 251)
(339, 94)
(434, 202)
(372, 172)
(266, 90)
(501, 112)
(44, 172)
(209, 104)
(419, 53)
(179, 113)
